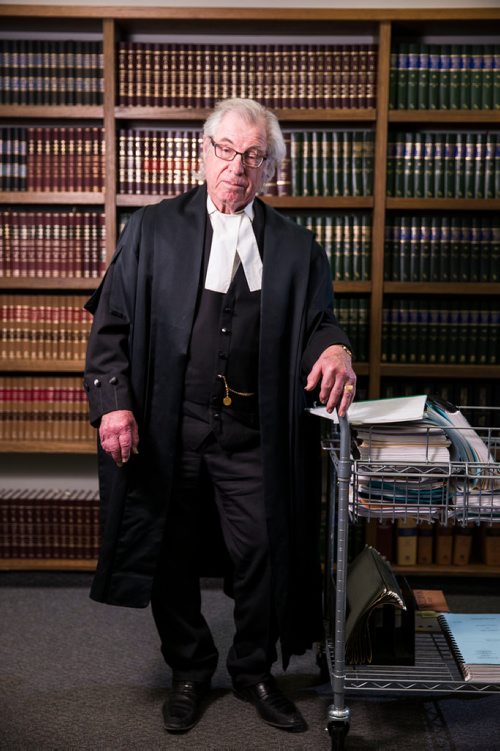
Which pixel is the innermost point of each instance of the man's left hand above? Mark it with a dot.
(333, 371)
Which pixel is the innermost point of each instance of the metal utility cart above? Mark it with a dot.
(471, 493)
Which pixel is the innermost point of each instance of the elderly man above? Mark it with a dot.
(212, 324)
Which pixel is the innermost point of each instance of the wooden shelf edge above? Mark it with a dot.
(65, 111)
(68, 284)
(444, 204)
(37, 365)
(433, 569)
(440, 371)
(44, 446)
(124, 200)
(200, 114)
(46, 564)
(443, 288)
(52, 197)
(444, 116)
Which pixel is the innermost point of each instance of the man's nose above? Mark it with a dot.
(237, 165)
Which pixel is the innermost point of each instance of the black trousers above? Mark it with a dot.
(186, 641)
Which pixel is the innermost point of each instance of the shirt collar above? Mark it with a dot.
(249, 210)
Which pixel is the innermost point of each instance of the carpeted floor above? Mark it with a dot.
(79, 675)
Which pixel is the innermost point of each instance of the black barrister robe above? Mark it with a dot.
(136, 359)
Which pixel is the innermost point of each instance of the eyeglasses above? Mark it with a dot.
(250, 158)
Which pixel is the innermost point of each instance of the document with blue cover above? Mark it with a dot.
(474, 639)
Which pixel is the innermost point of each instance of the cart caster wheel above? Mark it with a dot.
(338, 733)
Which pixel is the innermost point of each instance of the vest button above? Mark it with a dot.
(216, 416)
(225, 331)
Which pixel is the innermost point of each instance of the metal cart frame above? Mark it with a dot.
(435, 669)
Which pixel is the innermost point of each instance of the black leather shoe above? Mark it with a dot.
(273, 706)
(181, 710)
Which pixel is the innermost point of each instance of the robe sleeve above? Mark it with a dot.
(322, 327)
(107, 365)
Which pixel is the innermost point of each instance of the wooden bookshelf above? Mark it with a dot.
(382, 27)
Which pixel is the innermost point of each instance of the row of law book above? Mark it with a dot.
(50, 158)
(302, 76)
(52, 244)
(415, 332)
(44, 408)
(321, 163)
(476, 398)
(445, 76)
(43, 327)
(411, 542)
(346, 239)
(51, 72)
(442, 248)
(443, 164)
(352, 314)
(44, 524)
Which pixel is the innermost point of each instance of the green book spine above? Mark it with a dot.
(428, 164)
(307, 164)
(368, 161)
(347, 248)
(455, 237)
(390, 172)
(472, 343)
(347, 140)
(487, 83)
(494, 253)
(402, 77)
(435, 246)
(337, 172)
(393, 77)
(483, 335)
(366, 247)
(476, 77)
(470, 164)
(384, 335)
(399, 164)
(444, 77)
(358, 147)
(463, 337)
(326, 159)
(356, 246)
(465, 76)
(453, 338)
(496, 78)
(474, 236)
(443, 352)
(393, 339)
(455, 77)
(413, 76)
(494, 339)
(296, 156)
(449, 164)
(444, 250)
(316, 166)
(465, 271)
(415, 249)
(418, 189)
(423, 78)
(405, 249)
(433, 341)
(439, 165)
(388, 252)
(480, 165)
(338, 229)
(402, 335)
(460, 152)
(423, 333)
(491, 167)
(434, 76)
(413, 332)
(363, 343)
(425, 249)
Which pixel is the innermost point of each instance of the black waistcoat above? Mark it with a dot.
(223, 354)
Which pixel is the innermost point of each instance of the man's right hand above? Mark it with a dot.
(119, 435)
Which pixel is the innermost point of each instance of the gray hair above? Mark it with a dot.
(252, 113)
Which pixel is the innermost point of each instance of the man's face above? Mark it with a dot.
(231, 185)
